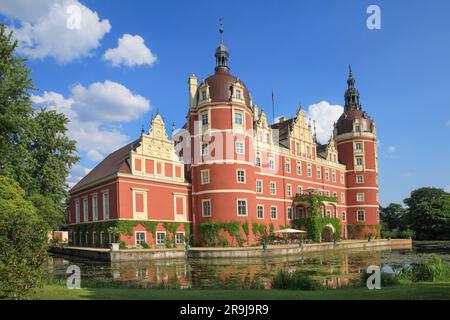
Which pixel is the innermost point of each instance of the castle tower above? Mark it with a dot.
(222, 170)
(356, 140)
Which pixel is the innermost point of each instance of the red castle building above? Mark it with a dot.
(227, 164)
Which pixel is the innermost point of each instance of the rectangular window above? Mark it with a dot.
(240, 147)
(273, 213)
(299, 190)
(160, 238)
(361, 215)
(179, 238)
(343, 216)
(94, 207)
(85, 209)
(309, 171)
(359, 161)
(238, 94)
(206, 208)
(299, 168)
(297, 148)
(205, 119)
(359, 179)
(360, 197)
(273, 188)
(259, 186)
(357, 128)
(240, 176)
(358, 146)
(289, 190)
(342, 178)
(203, 95)
(205, 176)
(242, 207)
(342, 197)
(260, 212)
(333, 176)
(272, 164)
(289, 213)
(205, 149)
(106, 206)
(238, 118)
(77, 210)
(319, 173)
(258, 162)
(287, 166)
(328, 213)
(140, 238)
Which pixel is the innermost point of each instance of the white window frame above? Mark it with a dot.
(287, 166)
(271, 163)
(276, 212)
(257, 212)
(360, 197)
(238, 206)
(85, 209)
(298, 168)
(204, 173)
(165, 237)
(238, 177)
(359, 181)
(289, 190)
(240, 147)
(77, 210)
(176, 238)
(259, 188)
(273, 191)
(209, 207)
(205, 149)
(363, 213)
(136, 239)
(236, 113)
(105, 199)
(290, 212)
(258, 162)
(94, 200)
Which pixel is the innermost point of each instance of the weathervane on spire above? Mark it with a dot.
(221, 30)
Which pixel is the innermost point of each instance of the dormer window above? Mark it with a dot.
(357, 128)
(203, 95)
(205, 119)
(238, 94)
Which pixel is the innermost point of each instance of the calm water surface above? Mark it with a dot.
(333, 269)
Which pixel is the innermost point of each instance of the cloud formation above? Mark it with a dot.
(325, 115)
(62, 29)
(392, 149)
(131, 51)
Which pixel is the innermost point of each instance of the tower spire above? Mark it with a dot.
(352, 94)
(221, 51)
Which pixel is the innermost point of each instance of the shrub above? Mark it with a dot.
(145, 245)
(122, 245)
(433, 270)
(296, 280)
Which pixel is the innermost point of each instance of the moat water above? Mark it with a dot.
(333, 269)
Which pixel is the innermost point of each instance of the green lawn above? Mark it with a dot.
(404, 291)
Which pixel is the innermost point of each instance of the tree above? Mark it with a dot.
(394, 217)
(429, 213)
(23, 242)
(34, 148)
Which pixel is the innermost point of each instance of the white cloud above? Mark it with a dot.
(95, 135)
(108, 101)
(447, 189)
(391, 149)
(94, 155)
(325, 116)
(43, 31)
(131, 51)
(77, 172)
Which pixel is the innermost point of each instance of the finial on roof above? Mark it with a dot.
(221, 29)
(350, 73)
(142, 128)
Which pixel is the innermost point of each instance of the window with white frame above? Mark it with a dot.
(105, 205)
(272, 164)
(238, 118)
(85, 209)
(333, 176)
(357, 128)
(309, 171)
(160, 238)
(260, 211)
(359, 179)
(359, 161)
(273, 213)
(342, 178)
(205, 149)
(77, 210)
(94, 207)
(359, 146)
(240, 147)
(179, 238)
(297, 148)
(335, 194)
(299, 168)
(361, 215)
(343, 215)
(273, 188)
(360, 196)
(205, 119)
(242, 207)
(240, 174)
(299, 190)
(204, 176)
(287, 166)
(140, 237)
(342, 197)
(327, 175)
(319, 173)
(289, 213)
(203, 95)
(238, 94)
(206, 208)
(259, 186)
(258, 162)
(289, 190)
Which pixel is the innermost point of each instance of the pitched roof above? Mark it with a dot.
(113, 163)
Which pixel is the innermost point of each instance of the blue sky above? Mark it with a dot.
(299, 49)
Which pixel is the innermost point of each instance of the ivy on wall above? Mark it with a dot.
(210, 233)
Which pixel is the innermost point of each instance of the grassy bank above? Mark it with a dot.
(404, 291)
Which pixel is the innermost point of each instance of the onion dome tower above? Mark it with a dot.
(222, 171)
(356, 140)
